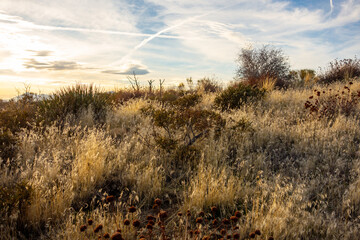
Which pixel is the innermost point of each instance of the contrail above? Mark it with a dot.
(158, 34)
(331, 6)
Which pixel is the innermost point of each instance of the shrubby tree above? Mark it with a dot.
(256, 65)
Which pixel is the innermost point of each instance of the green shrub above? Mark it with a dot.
(339, 70)
(237, 95)
(72, 101)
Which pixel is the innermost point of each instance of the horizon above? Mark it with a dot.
(49, 45)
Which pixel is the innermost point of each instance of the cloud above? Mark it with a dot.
(129, 69)
(41, 53)
(54, 65)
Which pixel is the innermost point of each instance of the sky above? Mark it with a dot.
(49, 44)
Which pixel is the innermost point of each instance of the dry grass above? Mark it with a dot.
(292, 176)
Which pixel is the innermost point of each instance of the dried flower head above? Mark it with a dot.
(149, 226)
(199, 220)
(132, 209)
(215, 222)
(157, 201)
(98, 228)
(118, 230)
(90, 221)
(223, 231)
(228, 236)
(188, 213)
(116, 236)
(151, 222)
(136, 223)
(252, 235)
(257, 232)
(163, 214)
(214, 209)
(236, 236)
(201, 214)
(155, 206)
(110, 198)
(179, 214)
(237, 214)
(150, 217)
(106, 235)
(83, 228)
(226, 221)
(126, 222)
(271, 238)
(234, 218)
(197, 232)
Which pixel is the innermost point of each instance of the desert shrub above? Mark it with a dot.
(73, 101)
(255, 65)
(17, 114)
(329, 103)
(339, 70)
(7, 145)
(207, 85)
(187, 101)
(238, 94)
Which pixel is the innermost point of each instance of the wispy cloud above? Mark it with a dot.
(54, 65)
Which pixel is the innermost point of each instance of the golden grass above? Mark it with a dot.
(289, 174)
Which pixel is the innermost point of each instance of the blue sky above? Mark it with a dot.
(50, 43)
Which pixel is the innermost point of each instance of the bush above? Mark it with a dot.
(255, 65)
(339, 70)
(237, 95)
(72, 101)
(207, 85)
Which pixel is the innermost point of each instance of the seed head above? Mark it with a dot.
(149, 226)
(252, 235)
(214, 209)
(228, 236)
(116, 236)
(155, 206)
(179, 214)
(151, 222)
(150, 217)
(90, 221)
(199, 220)
(106, 235)
(236, 236)
(271, 238)
(215, 222)
(83, 228)
(257, 232)
(237, 214)
(163, 214)
(157, 201)
(132, 209)
(201, 214)
(188, 213)
(234, 219)
(223, 231)
(197, 232)
(226, 221)
(126, 222)
(136, 223)
(98, 228)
